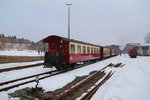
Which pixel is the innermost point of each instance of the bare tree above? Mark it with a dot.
(147, 38)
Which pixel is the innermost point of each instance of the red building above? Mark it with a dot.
(12, 43)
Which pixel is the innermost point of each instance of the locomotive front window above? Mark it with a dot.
(79, 49)
(72, 48)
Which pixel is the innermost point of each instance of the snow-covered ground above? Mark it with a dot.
(131, 83)
(21, 53)
(128, 83)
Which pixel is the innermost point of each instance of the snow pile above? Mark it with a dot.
(21, 53)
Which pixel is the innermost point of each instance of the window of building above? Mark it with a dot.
(84, 49)
(88, 49)
(79, 49)
(72, 48)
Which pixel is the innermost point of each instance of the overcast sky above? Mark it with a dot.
(103, 22)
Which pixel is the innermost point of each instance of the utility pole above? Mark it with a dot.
(69, 4)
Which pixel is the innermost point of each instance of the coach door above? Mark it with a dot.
(101, 52)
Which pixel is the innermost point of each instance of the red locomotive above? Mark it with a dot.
(133, 52)
(64, 52)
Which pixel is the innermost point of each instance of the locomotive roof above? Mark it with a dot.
(70, 40)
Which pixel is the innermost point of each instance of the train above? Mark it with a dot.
(133, 53)
(64, 52)
(144, 50)
(140, 50)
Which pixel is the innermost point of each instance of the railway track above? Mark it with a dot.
(75, 87)
(48, 74)
(41, 76)
(20, 67)
(19, 79)
(93, 91)
(29, 81)
(26, 66)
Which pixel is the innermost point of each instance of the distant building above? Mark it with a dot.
(1, 35)
(36, 46)
(39, 46)
(13, 43)
(114, 47)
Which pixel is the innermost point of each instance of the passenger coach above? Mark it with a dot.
(144, 50)
(64, 52)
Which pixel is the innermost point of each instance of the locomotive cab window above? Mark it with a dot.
(79, 49)
(72, 48)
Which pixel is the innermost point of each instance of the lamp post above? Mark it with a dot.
(69, 4)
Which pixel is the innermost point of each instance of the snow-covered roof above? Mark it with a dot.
(144, 45)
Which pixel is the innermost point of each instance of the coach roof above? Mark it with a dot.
(66, 39)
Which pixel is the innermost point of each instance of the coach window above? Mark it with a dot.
(79, 49)
(88, 49)
(72, 49)
(91, 49)
(94, 50)
(145, 48)
(84, 49)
